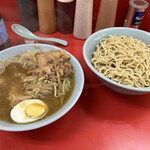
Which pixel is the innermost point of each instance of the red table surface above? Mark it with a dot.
(101, 119)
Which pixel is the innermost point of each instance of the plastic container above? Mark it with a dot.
(107, 14)
(83, 19)
(28, 14)
(47, 16)
(4, 40)
(65, 15)
(135, 13)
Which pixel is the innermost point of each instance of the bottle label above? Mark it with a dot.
(138, 16)
(3, 32)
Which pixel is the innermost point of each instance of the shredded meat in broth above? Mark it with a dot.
(48, 73)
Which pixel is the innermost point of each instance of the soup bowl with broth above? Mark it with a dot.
(120, 58)
(39, 84)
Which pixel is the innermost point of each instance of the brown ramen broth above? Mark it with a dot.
(13, 84)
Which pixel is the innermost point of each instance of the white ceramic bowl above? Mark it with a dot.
(90, 46)
(79, 83)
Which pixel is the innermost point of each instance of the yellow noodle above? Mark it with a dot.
(123, 59)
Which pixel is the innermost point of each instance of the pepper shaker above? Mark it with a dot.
(135, 13)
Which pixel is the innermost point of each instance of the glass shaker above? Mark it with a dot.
(135, 13)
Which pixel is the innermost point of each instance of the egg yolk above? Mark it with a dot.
(35, 110)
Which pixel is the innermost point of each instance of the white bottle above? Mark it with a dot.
(83, 19)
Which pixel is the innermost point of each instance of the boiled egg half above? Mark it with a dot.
(29, 111)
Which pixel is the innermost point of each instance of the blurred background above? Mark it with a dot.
(9, 11)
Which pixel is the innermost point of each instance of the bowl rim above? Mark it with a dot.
(91, 37)
(58, 114)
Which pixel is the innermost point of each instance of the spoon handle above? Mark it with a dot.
(62, 42)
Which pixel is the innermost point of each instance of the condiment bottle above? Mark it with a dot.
(83, 19)
(135, 13)
(107, 14)
(4, 40)
(65, 15)
(47, 16)
(28, 14)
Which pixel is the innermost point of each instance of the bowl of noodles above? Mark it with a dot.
(39, 84)
(120, 57)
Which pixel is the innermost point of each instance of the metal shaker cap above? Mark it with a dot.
(140, 4)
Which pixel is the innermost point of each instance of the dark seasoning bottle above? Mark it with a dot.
(65, 15)
(28, 14)
(4, 40)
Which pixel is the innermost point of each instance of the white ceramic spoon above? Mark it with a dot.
(25, 33)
